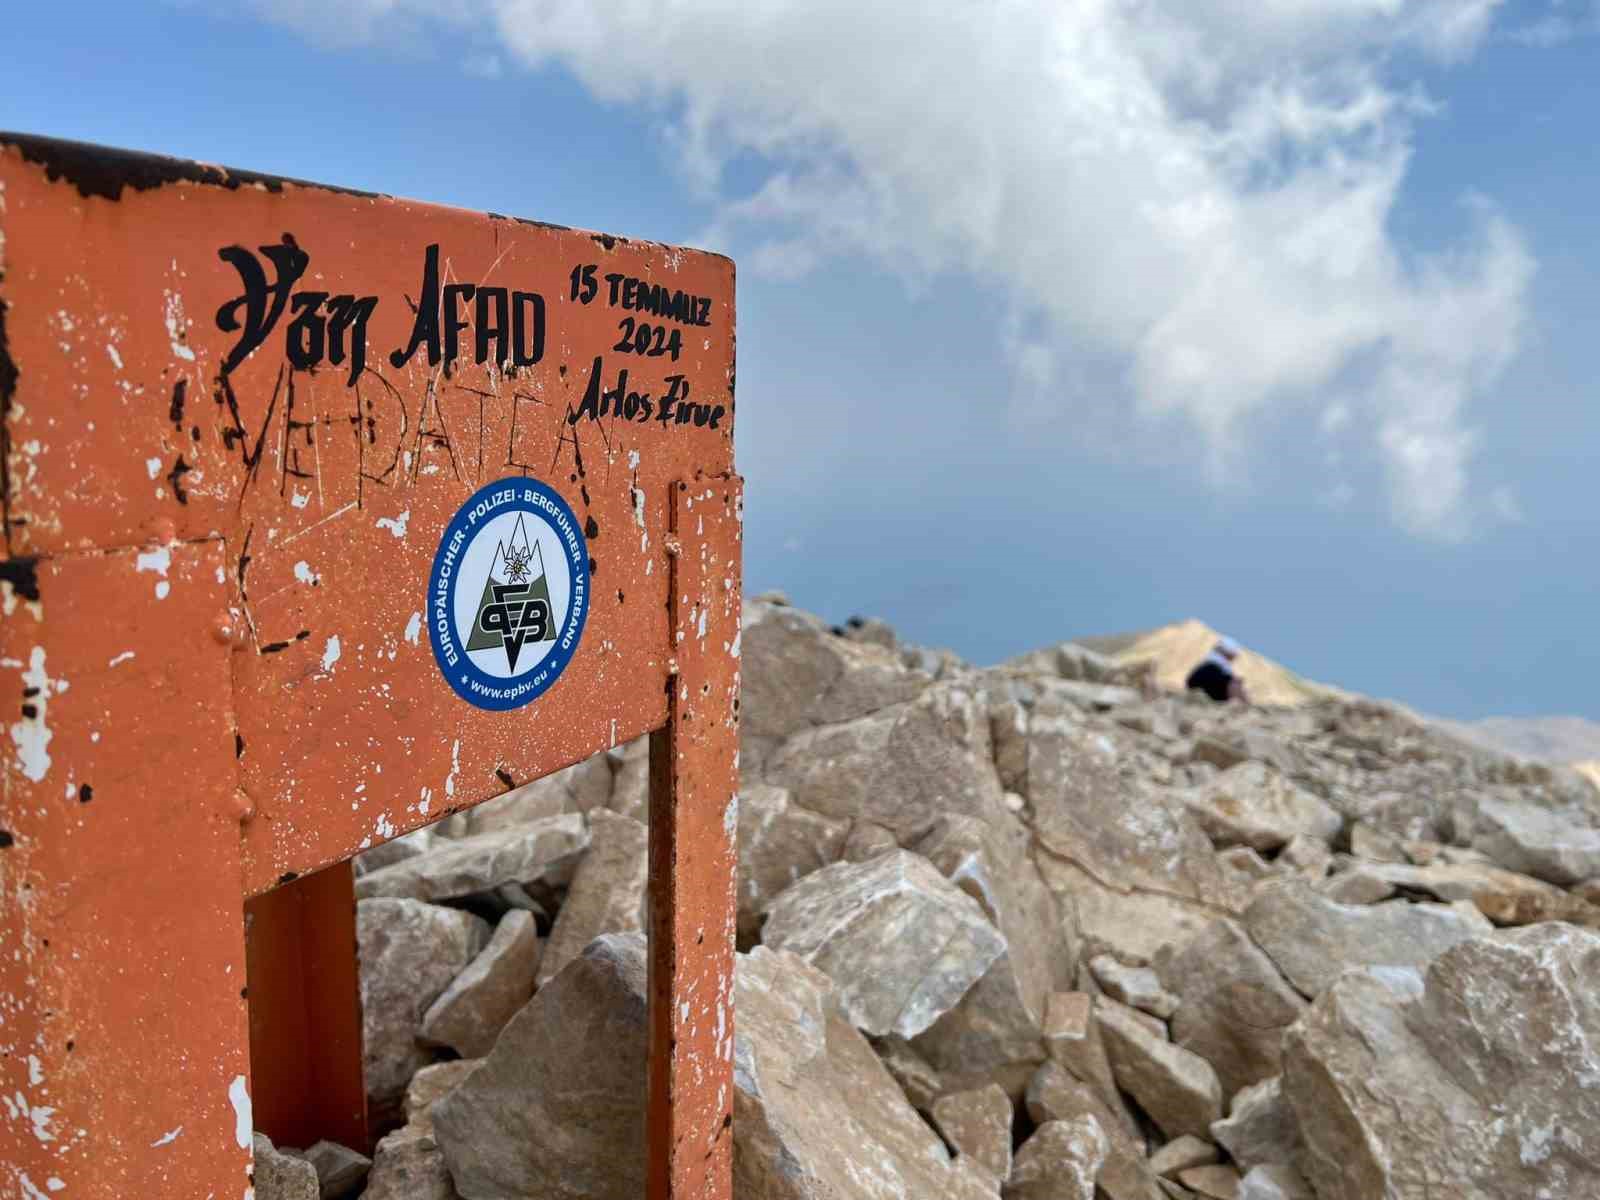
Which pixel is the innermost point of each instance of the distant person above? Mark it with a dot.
(1216, 677)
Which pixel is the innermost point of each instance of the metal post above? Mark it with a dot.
(693, 821)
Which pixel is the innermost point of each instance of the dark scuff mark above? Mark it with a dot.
(6, 839)
(30, 711)
(175, 412)
(274, 647)
(594, 568)
(238, 745)
(591, 528)
(604, 239)
(103, 171)
(244, 563)
(85, 793)
(529, 221)
(302, 635)
(8, 391)
(288, 876)
(23, 576)
(175, 478)
(504, 776)
(29, 692)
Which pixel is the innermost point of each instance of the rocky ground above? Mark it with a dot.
(1034, 931)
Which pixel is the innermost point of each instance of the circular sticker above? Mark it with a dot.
(509, 593)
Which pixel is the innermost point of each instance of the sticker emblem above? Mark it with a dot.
(509, 594)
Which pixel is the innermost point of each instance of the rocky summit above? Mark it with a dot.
(1043, 930)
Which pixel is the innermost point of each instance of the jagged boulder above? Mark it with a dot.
(797, 674)
(1558, 846)
(780, 843)
(455, 867)
(1061, 1161)
(280, 1176)
(469, 1014)
(995, 1032)
(1312, 939)
(1253, 805)
(901, 943)
(903, 767)
(409, 953)
(1475, 1081)
(1233, 1003)
(607, 893)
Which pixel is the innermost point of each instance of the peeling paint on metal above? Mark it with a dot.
(243, 1121)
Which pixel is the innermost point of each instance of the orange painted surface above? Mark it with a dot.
(123, 1055)
(298, 387)
(694, 821)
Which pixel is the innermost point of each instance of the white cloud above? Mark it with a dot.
(1198, 192)
(1562, 24)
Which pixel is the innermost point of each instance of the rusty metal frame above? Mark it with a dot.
(211, 591)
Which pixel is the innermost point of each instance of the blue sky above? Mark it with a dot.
(1053, 320)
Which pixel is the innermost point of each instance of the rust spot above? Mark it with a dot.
(23, 576)
(6, 839)
(85, 794)
(104, 172)
(504, 776)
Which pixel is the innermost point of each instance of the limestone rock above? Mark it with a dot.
(1375, 845)
(995, 1031)
(1361, 884)
(1132, 926)
(556, 1110)
(280, 1176)
(915, 1075)
(431, 1085)
(1055, 1095)
(978, 1125)
(816, 1116)
(1274, 1182)
(630, 780)
(340, 1170)
(1061, 1161)
(1310, 856)
(463, 866)
(470, 1013)
(1489, 1057)
(385, 854)
(409, 952)
(1183, 1153)
(1092, 810)
(1260, 1128)
(901, 943)
(903, 767)
(798, 675)
(1312, 939)
(1505, 897)
(1233, 1004)
(1221, 754)
(576, 789)
(1253, 805)
(1176, 1087)
(867, 839)
(607, 893)
(1559, 847)
(1219, 1182)
(780, 843)
(1137, 987)
(1072, 1039)
(408, 1165)
(1242, 860)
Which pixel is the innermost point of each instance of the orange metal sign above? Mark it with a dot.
(242, 417)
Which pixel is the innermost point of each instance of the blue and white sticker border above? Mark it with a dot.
(465, 679)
